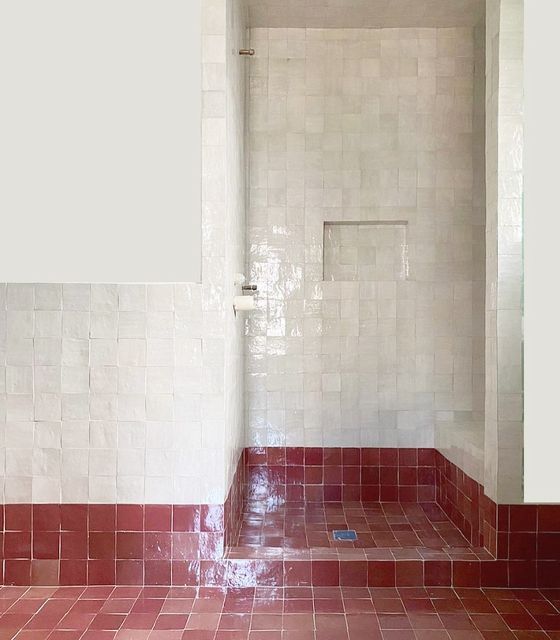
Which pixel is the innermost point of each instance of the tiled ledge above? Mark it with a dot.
(370, 555)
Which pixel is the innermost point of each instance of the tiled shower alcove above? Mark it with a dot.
(295, 497)
(420, 521)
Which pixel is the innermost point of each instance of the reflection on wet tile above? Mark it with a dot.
(384, 525)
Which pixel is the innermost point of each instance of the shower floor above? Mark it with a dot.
(383, 526)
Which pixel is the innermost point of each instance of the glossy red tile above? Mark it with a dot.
(466, 574)
(17, 572)
(297, 573)
(73, 572)
(130, 517)
(102, 517)
(437, 573)
(354, 573)
(101, 545)
(409, 573)
(494, 574)
(522, 517)
(548, 546)
(130, 545)
(381, 573)
(185, 546)
(17, 545)
(101, 572)
(73, 517)
(211, 518)
(186, 518)
(44, 571)
(46, 517)
(185, 573)
(522, 545)
(129, 572)
(46, 545)
(17, 517)
(157, 572)
(548, 518)
(325, 573)
(157, 517)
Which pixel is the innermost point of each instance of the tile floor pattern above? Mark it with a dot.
(379, 525)
(298, 613)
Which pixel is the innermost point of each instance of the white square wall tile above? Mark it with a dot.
(20, 296)
(160, 297)
(76, 297)
(48, 324)
(132, 297)
(104, 324)
(76, 324)
(48, 296)
(104, 297)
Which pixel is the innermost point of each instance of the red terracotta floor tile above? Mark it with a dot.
(294, 613)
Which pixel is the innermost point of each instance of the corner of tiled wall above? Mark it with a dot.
(223, 171)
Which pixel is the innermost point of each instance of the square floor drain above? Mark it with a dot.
(346, 534)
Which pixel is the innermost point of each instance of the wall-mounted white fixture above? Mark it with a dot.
(244, 303)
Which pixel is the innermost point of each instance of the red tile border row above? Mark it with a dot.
(337, 456)
(111, 517)
(293, 474)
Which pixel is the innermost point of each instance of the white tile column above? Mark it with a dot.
(504, 267)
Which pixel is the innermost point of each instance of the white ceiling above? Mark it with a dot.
(346, 14)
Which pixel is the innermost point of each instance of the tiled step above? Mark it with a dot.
(356, 571)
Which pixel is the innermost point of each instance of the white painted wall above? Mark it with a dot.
(541, 233)
(100, 141)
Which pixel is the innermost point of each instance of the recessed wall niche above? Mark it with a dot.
(358, 251)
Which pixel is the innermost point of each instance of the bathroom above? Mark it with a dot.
(317, 425)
